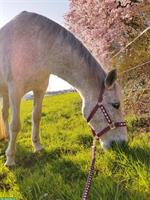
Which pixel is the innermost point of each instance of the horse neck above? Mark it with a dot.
(75, 69)
(89, 84)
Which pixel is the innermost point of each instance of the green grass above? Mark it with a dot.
(59, 172)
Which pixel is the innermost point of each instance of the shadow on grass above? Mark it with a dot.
(49, 165)
(3, 145)
(133, 153)
(106, 188)
(71, 173)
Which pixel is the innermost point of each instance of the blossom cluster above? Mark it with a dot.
(105, 26)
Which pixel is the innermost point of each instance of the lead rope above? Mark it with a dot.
(91, 171)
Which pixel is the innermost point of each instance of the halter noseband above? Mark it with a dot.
(111, 125)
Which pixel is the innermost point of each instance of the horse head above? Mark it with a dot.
(106, 118)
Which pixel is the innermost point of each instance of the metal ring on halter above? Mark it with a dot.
(99, 103)
(96, 138)
(112, 126)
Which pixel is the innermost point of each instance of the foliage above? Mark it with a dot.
(136, 85)
(60, 170)
(106, 26)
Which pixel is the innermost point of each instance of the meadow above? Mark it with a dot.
(59, 172)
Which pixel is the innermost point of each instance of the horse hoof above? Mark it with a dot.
(38, 148)
(10, 163)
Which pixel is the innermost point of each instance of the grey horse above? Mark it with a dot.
(31, 48)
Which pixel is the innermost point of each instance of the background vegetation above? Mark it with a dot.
(59, 172)
(106, 27)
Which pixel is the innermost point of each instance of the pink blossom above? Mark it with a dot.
(104, 25)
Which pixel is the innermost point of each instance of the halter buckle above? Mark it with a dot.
(96, 137)
(99, 103)
(112, 126)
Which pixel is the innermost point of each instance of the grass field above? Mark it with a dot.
(59, 172)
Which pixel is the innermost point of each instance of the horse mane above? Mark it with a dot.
(51, 27)
(85, 55)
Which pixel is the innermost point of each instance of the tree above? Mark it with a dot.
(105, 26)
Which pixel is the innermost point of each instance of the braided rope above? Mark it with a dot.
(91, 171)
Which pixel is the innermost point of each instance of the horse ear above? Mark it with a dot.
(111, 78)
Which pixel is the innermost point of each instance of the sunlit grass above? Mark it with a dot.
(59, 172)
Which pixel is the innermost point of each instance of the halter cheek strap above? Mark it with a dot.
(111, 125)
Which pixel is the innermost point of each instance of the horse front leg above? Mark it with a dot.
(36, 117)
(14, 128)
(5, 114)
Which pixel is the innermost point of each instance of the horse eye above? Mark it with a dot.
(116, 105)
